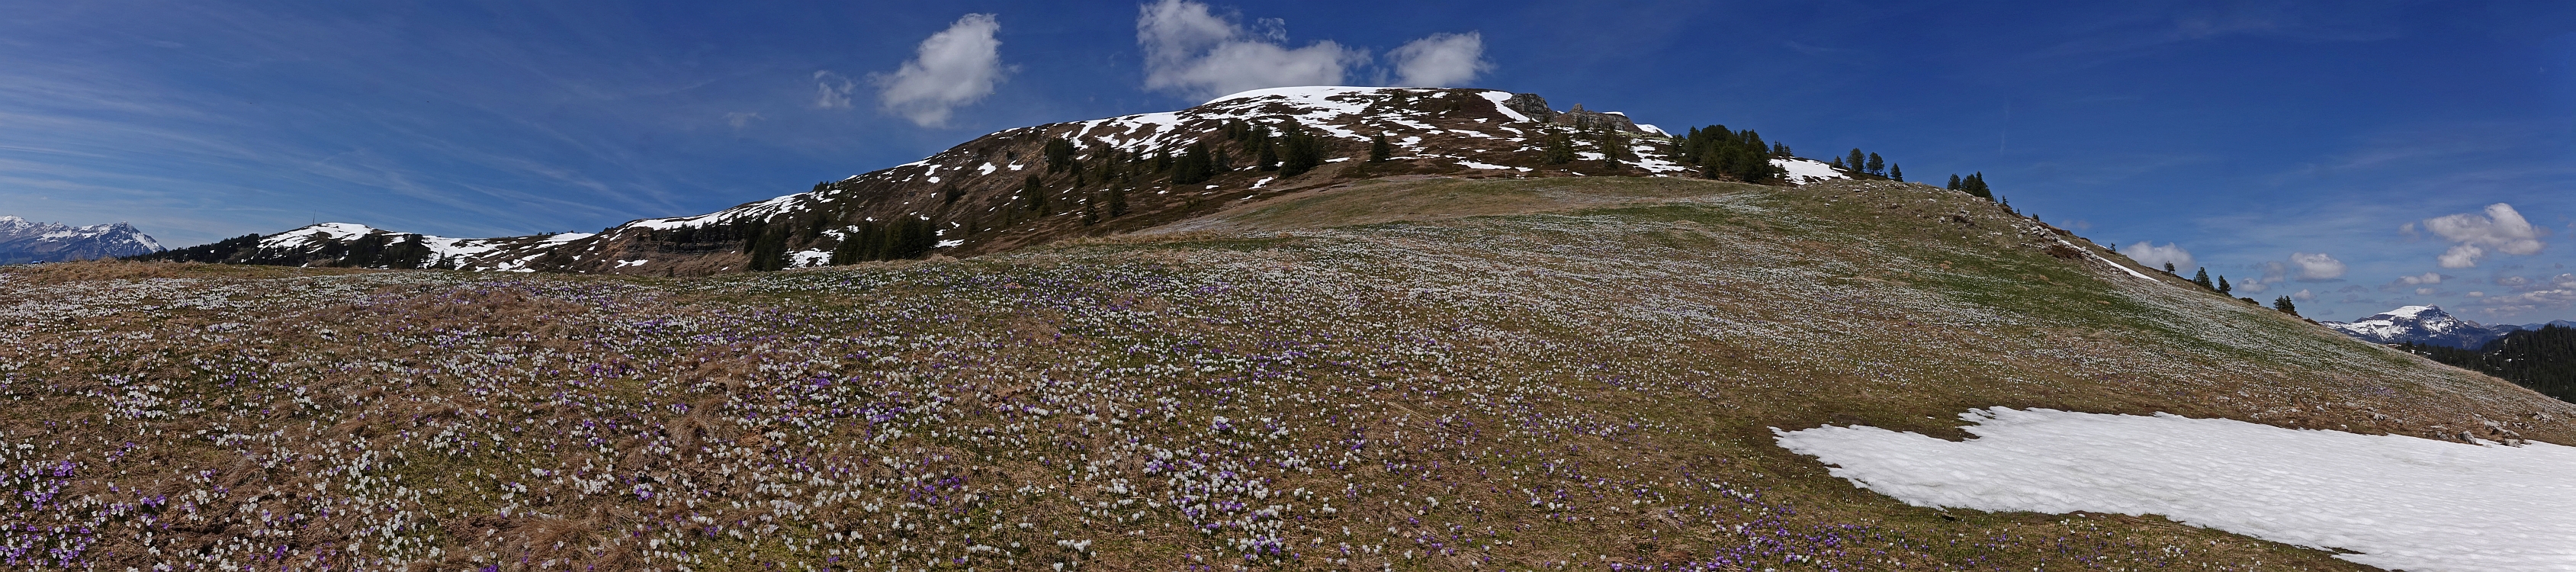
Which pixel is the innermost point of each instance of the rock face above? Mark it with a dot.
(1038, 184)
(24, 242)
(1580, 118)
(2427, 325)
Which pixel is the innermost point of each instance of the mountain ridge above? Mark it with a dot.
(2430, 325)
(1030, 185)
(24, 241)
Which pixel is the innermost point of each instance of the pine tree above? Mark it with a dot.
(2285, 305)
(1266, 154)
(1877, 166)
(1380, 150)
(2223, 287)
(769, 250)
(1838, 164)
(1196, 167)
(1975, 184)
(2202, 278)
(2169, 269)
(1896, 173)
(1954, 182)
(1299, 151)
(1856, 161)
(1059, 154)
(1560, 150)
(1032, 195)
(1117, 202)
(951, 194)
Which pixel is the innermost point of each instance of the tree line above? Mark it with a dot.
(2543, 360)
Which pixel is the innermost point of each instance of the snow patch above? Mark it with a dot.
(1498, 97)
(1803, 171)
(804, 258)
(2396, 502)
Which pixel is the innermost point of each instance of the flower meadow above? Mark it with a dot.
(1581, 390)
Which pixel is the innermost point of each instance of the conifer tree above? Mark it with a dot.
(1299, 151)
(1560, 150)
(2169, 269)
(1117, 202)
(1975, 184)
(2285, 305)
(2223, 287)
(1059, 154)
(1380, 150)
(951, 194)
(1265, 153)
(1954, 182)
(1877, 166)
(1196, 167)
(1033, 195)
(2202, 278)
(1856, 161)
(1837, 163)
(1896, 173)
(769, 250)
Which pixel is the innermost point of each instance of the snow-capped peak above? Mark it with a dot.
(2419, 324)
(2418, 312)
(22, 240)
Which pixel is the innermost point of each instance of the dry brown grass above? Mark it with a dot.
(1575, 389)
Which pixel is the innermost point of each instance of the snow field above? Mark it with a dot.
(2396, 502)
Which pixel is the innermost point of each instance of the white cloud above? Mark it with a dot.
(1198, 53)
(2158, 256)
(955, 67)
(739, 119)
(2462, 256)
(2501, 229)
(1441, 60)
(2304, 295)
(831, 91)
(2316, 266)
(2425, 278)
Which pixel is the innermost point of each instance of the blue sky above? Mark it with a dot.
(2348, 150)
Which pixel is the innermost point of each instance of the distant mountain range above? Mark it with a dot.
(2429, 325)
(22, 241)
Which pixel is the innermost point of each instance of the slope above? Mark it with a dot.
(1556, 373)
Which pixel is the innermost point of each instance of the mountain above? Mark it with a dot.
(1411, 364)
(1086, 178)
(23, 242)
(2426, 325)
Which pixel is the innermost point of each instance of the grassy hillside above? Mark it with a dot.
(1422, 374)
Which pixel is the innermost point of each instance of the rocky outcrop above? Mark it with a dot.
(1580, 118)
